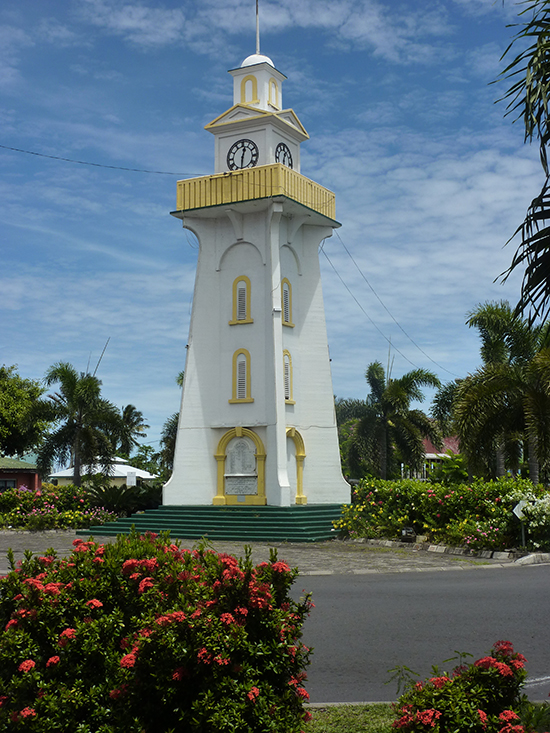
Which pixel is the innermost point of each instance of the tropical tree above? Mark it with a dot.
(389, 427)
(442, 409)
(501, 410)
(85, 423)
(168, 444)
(131, 427)
(528, 98)
(23, 413)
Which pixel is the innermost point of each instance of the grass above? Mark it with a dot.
(351, 719)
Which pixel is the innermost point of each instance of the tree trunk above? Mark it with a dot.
(77, 480)
(533, 462)
(384, 452)
(500, 469)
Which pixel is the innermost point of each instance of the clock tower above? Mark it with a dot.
(257, 422)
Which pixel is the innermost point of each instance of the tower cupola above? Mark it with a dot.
(257, 83)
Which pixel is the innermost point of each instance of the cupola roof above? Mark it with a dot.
(257, 58)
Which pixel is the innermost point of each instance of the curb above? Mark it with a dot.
(519, 557)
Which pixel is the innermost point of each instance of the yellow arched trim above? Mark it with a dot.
(221, 497)
(273, 93)
(300, 452)
(286, 307)
(254, 99)
(290, 399)
(235, 397)
(235, 320)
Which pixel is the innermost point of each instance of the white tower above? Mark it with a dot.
(257, 422)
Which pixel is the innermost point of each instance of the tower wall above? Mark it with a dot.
(264, 248)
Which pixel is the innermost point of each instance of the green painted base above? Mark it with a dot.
(307, 523)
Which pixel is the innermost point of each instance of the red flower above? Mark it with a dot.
(28, 713)
(65, 636)
(118, 692)
(177, 615)
(504, 647)
(227, 619)
(252, 694)
(280, 567)
(27, 665)
(439, 682)
(145, 584)
(3, 699)
(204, 655)
(303, 693)
(483, 718)
(428, 717)
(128, 661)
(178, 674)
(508, 715)
(94, 603)
(51, 661)
(11, 623)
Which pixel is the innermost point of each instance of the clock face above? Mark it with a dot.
(242, 154)
(283, 155)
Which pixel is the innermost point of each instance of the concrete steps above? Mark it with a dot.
(309, 523)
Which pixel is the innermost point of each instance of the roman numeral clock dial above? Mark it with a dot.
(283, 155)
(242, 154)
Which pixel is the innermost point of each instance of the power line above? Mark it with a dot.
(388, 312)
(365, 312)
(97, 165)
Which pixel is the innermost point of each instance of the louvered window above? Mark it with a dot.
(287, 377)
(241, 377)
(286, 302)
(241, 301)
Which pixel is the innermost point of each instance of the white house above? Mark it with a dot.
(121, 473)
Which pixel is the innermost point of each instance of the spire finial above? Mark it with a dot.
(257, 29)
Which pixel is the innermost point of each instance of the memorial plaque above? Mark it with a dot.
(241, 484)
(241, 457)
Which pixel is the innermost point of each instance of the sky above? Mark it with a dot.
(431, 179)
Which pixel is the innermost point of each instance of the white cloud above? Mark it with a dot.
(13, 41)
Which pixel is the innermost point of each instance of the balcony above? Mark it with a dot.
(252, 184)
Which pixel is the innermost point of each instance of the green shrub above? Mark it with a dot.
(50, 507)
(483, 697)
(478, 515)
(140, 635)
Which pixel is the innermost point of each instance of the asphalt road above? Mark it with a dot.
(362, 626)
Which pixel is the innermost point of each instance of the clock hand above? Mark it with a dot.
(242, 158)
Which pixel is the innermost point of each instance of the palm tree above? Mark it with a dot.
(508, 405)
(85, 423)
(389, 425)
(132, 426)
(528, 96)
(504, 403)
(168, 443)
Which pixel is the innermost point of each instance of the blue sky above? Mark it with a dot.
(430, 179)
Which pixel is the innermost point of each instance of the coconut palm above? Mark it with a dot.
(132, 426)
(85, 421)
(527, 99)
(389, 425)
(501, 409)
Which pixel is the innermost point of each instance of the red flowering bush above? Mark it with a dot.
(483, 697)
(141, 635)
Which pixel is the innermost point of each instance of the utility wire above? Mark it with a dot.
(388, 312)
(97, 165)
(365, 312)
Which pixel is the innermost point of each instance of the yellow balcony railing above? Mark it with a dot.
(264, 181)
